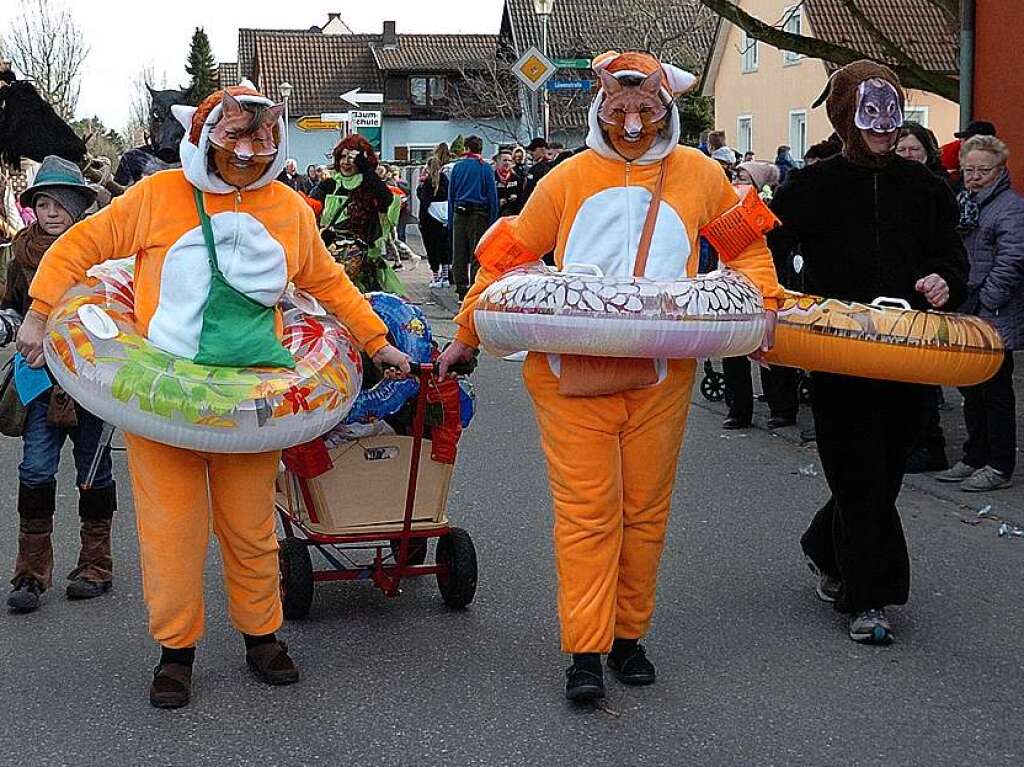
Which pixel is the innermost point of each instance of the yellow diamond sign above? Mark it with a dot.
(534, 69)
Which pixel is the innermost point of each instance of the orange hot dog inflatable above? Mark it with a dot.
(884, 341)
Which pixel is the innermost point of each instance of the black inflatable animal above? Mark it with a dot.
(164, 136)
(30, 128)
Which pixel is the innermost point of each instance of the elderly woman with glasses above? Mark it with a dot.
(992, 226)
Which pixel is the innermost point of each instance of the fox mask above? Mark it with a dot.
(631, 116)
(244, 141)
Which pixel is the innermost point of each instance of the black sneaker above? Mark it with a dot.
(871, 627)
(583, 683)
(24, 597)
(733, 423)
(781, 421)
(81, 588)
(633, 669)
(827, 588)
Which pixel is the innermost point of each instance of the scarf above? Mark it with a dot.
(28, 248)
(504, 175)
(971, 203)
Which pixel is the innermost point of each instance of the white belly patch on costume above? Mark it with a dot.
(606, 234)
(250, 259)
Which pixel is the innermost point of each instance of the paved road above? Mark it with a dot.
(753, 670)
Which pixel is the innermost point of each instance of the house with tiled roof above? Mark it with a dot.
(679, 31)
(763, 96)
(409, 80)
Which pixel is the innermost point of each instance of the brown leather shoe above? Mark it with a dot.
(172, 686)
(270, 662)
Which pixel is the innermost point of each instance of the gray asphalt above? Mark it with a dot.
(753, 670)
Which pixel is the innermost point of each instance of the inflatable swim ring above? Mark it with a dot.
(885, 341)
(96, 355)
(408, 331)
(534, 309)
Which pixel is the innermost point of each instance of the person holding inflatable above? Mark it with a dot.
(612, 428)
(869, 224)
(217, 243)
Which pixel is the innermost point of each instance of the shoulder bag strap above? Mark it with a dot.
(204, 220)
(648, 231)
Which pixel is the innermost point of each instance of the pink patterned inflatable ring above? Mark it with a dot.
(95, 353)
(720, 314)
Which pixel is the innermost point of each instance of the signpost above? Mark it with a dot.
(569, 85)
(325, 122)
(572, 63)
(533, 69)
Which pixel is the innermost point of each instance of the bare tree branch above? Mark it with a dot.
(47, 46)
(912, 74)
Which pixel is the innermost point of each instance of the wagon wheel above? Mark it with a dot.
(712, 386)
(804, 389)
(457, 579)
(296, 578)
(417, 550)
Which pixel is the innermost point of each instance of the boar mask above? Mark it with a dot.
(244, 140)
(631, 116)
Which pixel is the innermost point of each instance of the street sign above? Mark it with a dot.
(356, 98)
(569, 85)
(364, 119)
(572, 63)
(334, 117)
(533, 69)
(310, 123)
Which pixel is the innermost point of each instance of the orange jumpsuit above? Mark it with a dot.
(265, 238)
(612, 458)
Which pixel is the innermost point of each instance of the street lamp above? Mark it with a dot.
(544, 9)
(285, 89)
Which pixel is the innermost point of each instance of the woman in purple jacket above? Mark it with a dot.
(992, 226)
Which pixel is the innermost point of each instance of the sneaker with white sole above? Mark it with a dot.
(957, 473)
(984, 479)
(827, 588)
(871, 627)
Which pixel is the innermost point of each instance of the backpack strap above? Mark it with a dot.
(644, 248)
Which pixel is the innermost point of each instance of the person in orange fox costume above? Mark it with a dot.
(612, 441)
(214, 295)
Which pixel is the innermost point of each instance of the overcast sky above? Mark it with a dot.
(126, 35)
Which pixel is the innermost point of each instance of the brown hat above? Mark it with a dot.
(840, 99)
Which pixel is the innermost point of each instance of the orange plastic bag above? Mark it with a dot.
(741, 226)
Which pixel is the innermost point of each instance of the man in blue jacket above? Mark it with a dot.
(473, 206)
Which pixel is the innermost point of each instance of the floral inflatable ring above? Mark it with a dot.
(95, 353)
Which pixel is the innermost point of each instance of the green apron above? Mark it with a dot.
(237, 331)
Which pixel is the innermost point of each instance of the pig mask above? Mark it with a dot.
(243, 143)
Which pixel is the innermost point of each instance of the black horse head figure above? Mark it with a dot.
(165, 132)
(30, 128)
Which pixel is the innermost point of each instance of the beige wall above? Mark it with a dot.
(774, 90)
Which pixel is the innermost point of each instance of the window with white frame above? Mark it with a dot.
(798, 133)
(744, 134)
(794, 24)
(917, 114)
(749, 52)
(420, 152)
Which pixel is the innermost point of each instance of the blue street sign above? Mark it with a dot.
(572, 85)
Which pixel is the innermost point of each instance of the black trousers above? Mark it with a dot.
(865, 432)
(435, 241)
(931, 439)
(780, 389)
(990, 411)
(467, 229)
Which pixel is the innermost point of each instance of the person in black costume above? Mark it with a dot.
(869, 223)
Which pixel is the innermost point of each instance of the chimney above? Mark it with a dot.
(390, 37)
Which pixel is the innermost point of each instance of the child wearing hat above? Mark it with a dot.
(59, 196)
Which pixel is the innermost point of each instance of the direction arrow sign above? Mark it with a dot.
(355, 98)
(315, 123)
(572, 63)
(534, 69)
(570, 85)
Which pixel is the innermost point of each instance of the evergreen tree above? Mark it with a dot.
(458, 146)
(201, 67)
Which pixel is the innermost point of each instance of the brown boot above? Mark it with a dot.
(94, 574)
(33, 569)
(271, 663)
(172, 685)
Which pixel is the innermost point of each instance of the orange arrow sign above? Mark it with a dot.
(314, 123)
